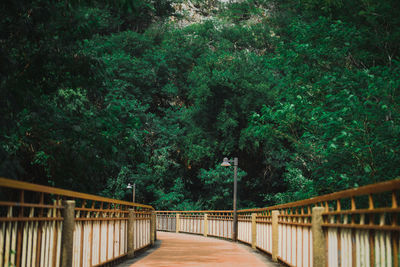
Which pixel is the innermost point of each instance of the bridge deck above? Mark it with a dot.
(192, 250)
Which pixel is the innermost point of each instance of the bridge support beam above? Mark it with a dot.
(275, 235)
(319, 243)
(253, 231)
(67, 236)
(205, 225)
(131, 234)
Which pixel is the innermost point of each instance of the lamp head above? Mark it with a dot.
(129, 186)
(225, 163)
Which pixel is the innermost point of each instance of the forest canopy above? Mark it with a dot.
(98, 94)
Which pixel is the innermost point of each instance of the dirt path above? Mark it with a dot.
(192, 250)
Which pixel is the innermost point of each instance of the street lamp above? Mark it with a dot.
(133, 187)
(227, 163)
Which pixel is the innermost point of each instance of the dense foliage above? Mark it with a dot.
(96, 94)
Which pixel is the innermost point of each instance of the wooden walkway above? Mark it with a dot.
(193, 250)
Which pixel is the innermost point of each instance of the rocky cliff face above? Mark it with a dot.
(195, 11)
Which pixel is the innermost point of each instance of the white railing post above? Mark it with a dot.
(318, 238)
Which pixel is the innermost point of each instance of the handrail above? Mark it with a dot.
(4, 182)
(194, 211)
(354, 192)
(358, 225)
(43, 225)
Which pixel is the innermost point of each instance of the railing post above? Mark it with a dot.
(155, 226)
(275, 235)
(319, 244)
(253, 230)
(131, 234)
(153, 230)
(235, 227)
(177, 223)
(67, 235)
(205, 224)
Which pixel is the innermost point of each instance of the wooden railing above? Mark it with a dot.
(356, 227)
(207, 223)
(46, 226)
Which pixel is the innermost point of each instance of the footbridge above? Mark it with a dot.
(47, 226)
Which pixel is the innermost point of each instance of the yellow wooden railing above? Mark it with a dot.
(356, 227)
(207, 223)
(47, 226)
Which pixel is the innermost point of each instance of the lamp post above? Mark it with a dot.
(133, 187)
(227, 163)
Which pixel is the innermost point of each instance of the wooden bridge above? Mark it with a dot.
(46, 226)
